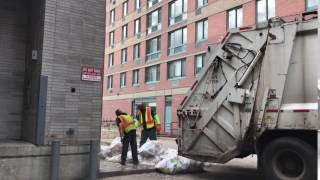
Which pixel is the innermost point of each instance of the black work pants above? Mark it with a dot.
(148, 133)
(129, 137)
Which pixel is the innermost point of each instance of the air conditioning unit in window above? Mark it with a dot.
(113, 2)
(138, 35)
(139, 10)
(154, 28)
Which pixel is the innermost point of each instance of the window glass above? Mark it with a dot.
(199, 63)
(137, 26)
(202, 30)
(135, 80)
(178, 41)
(232, 19)
(123, 80)
(136, 52)
(261, 10)
(266, 9)
(239, 17)
(271, 8)
(112, 16)
(137, 4)
(201, 3)
(176, 69)
(111, 59)
(152, 73)
(124, 32)
(152, 2)
(110, 82)
(312, 4)
(111, 38)
(125, 8)
(124, 56)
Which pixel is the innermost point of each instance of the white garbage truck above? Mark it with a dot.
(258, 94)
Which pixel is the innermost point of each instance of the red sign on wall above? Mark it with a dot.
(91, 74)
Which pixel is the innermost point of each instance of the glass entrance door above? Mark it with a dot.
(168, 114)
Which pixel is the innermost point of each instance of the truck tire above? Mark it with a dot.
(289, 159)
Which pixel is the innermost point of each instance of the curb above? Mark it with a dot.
(124, 173)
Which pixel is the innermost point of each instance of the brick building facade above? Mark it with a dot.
(154, 48)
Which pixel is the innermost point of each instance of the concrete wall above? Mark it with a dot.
(13, 38)
(73, 38)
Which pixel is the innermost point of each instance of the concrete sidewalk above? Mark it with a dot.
(111, 169)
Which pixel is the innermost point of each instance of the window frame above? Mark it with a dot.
(112, 17)
(135, 58)
(183, 44)
(126, 55)
(183, 14)
(136, 79)
(150, 23)
(313, 8)
(111, 39)
(204, 4)
(125, 8)
(124, 83)
(124, 35)
(135, 26)
(267, 11)
(111, 55)
(183, 62)
(157, 66)
(195, 63)
(137, 4)
(148, 3)
(203, 33)
(110, 85)
(236, 17)
(148, 47)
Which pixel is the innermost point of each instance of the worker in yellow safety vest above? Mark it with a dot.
(150, 122)
(127, 130)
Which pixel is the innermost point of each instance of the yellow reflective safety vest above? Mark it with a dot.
(150, 120)
(127, 123)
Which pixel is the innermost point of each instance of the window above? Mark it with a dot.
(123, 79)
(202, 30)
(177, 11)
(311, 5)
(266, 9)
(152, 74)
(110, 82)
(111, 60)
(137, 24)
(152, 2)
(154, 19)
(124, 32)
(124, 56)
(201, 3)
(137, 4)
(153, 49)
(199, 63)
(125, 9)
(112, 16)
(111, 38)
(176, 69)
(178, 41)
(235, 18)
(135, 77)
(136, 52)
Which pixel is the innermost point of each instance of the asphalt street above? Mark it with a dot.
(238, 169)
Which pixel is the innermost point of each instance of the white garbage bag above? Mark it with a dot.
(151, 149)
(115, 159)
(178, 164)
(104, 151)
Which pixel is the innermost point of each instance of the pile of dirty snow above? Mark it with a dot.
(153, 153)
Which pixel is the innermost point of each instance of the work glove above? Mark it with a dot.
(158, 128)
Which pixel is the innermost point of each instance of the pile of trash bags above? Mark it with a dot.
(153, 153)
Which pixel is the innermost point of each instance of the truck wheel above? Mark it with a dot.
(289, 159)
